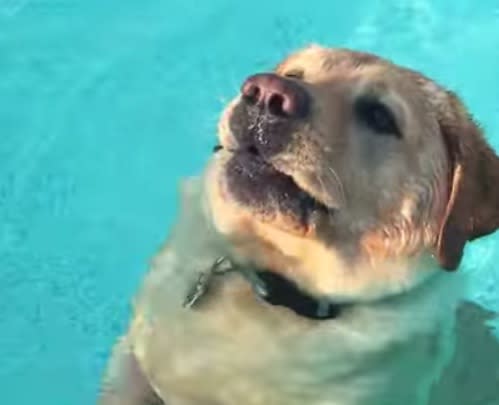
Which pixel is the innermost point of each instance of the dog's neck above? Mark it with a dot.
(371, 353)
(236, 349)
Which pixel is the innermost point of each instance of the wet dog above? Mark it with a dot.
(348, 186)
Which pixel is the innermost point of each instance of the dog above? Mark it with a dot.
(348, 187)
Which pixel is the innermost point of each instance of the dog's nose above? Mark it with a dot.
(276, 95)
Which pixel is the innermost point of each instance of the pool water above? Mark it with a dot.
(105, 105)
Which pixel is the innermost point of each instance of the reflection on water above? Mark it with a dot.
(472, 376)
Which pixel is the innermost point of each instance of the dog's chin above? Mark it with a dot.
(270, 196)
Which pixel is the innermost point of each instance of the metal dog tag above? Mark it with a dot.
(202, 283)
(197, 290)
(200, 287)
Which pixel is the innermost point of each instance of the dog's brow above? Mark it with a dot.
(327, 63)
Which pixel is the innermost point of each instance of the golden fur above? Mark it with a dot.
(404, 209)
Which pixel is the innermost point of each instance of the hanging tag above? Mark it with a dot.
(197, 290)
(202, 283)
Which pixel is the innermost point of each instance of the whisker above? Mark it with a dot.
(336, 179)
(324, 191)
(340, 185)
(322, 185)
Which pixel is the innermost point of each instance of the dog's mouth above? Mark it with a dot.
(255, 183)
(275, 197)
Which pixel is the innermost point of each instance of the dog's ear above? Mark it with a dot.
(473, 206)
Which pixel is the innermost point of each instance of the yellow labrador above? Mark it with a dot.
(346, 187)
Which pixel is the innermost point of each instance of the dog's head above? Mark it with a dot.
(351, 176)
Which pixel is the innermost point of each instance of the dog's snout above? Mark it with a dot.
(276, 95)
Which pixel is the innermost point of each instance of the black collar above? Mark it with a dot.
(280, 291)
(270, 287)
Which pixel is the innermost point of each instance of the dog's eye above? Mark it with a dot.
(377, 116)
(295, 74)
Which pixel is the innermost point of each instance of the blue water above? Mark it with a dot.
(106, 104)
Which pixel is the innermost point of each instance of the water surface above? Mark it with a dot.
(106, 104)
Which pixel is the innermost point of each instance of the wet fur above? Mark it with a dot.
(388, 348)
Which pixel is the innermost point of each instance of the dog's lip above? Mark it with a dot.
(217, 148)
(306, 196)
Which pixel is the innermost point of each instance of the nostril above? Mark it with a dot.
(275, 105)
(251, 93)
(253, 150)
(278, 96)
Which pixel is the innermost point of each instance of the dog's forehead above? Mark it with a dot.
(366, 72)
(315, 58)
(363, 71)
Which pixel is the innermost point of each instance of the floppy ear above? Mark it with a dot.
(473, 207)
